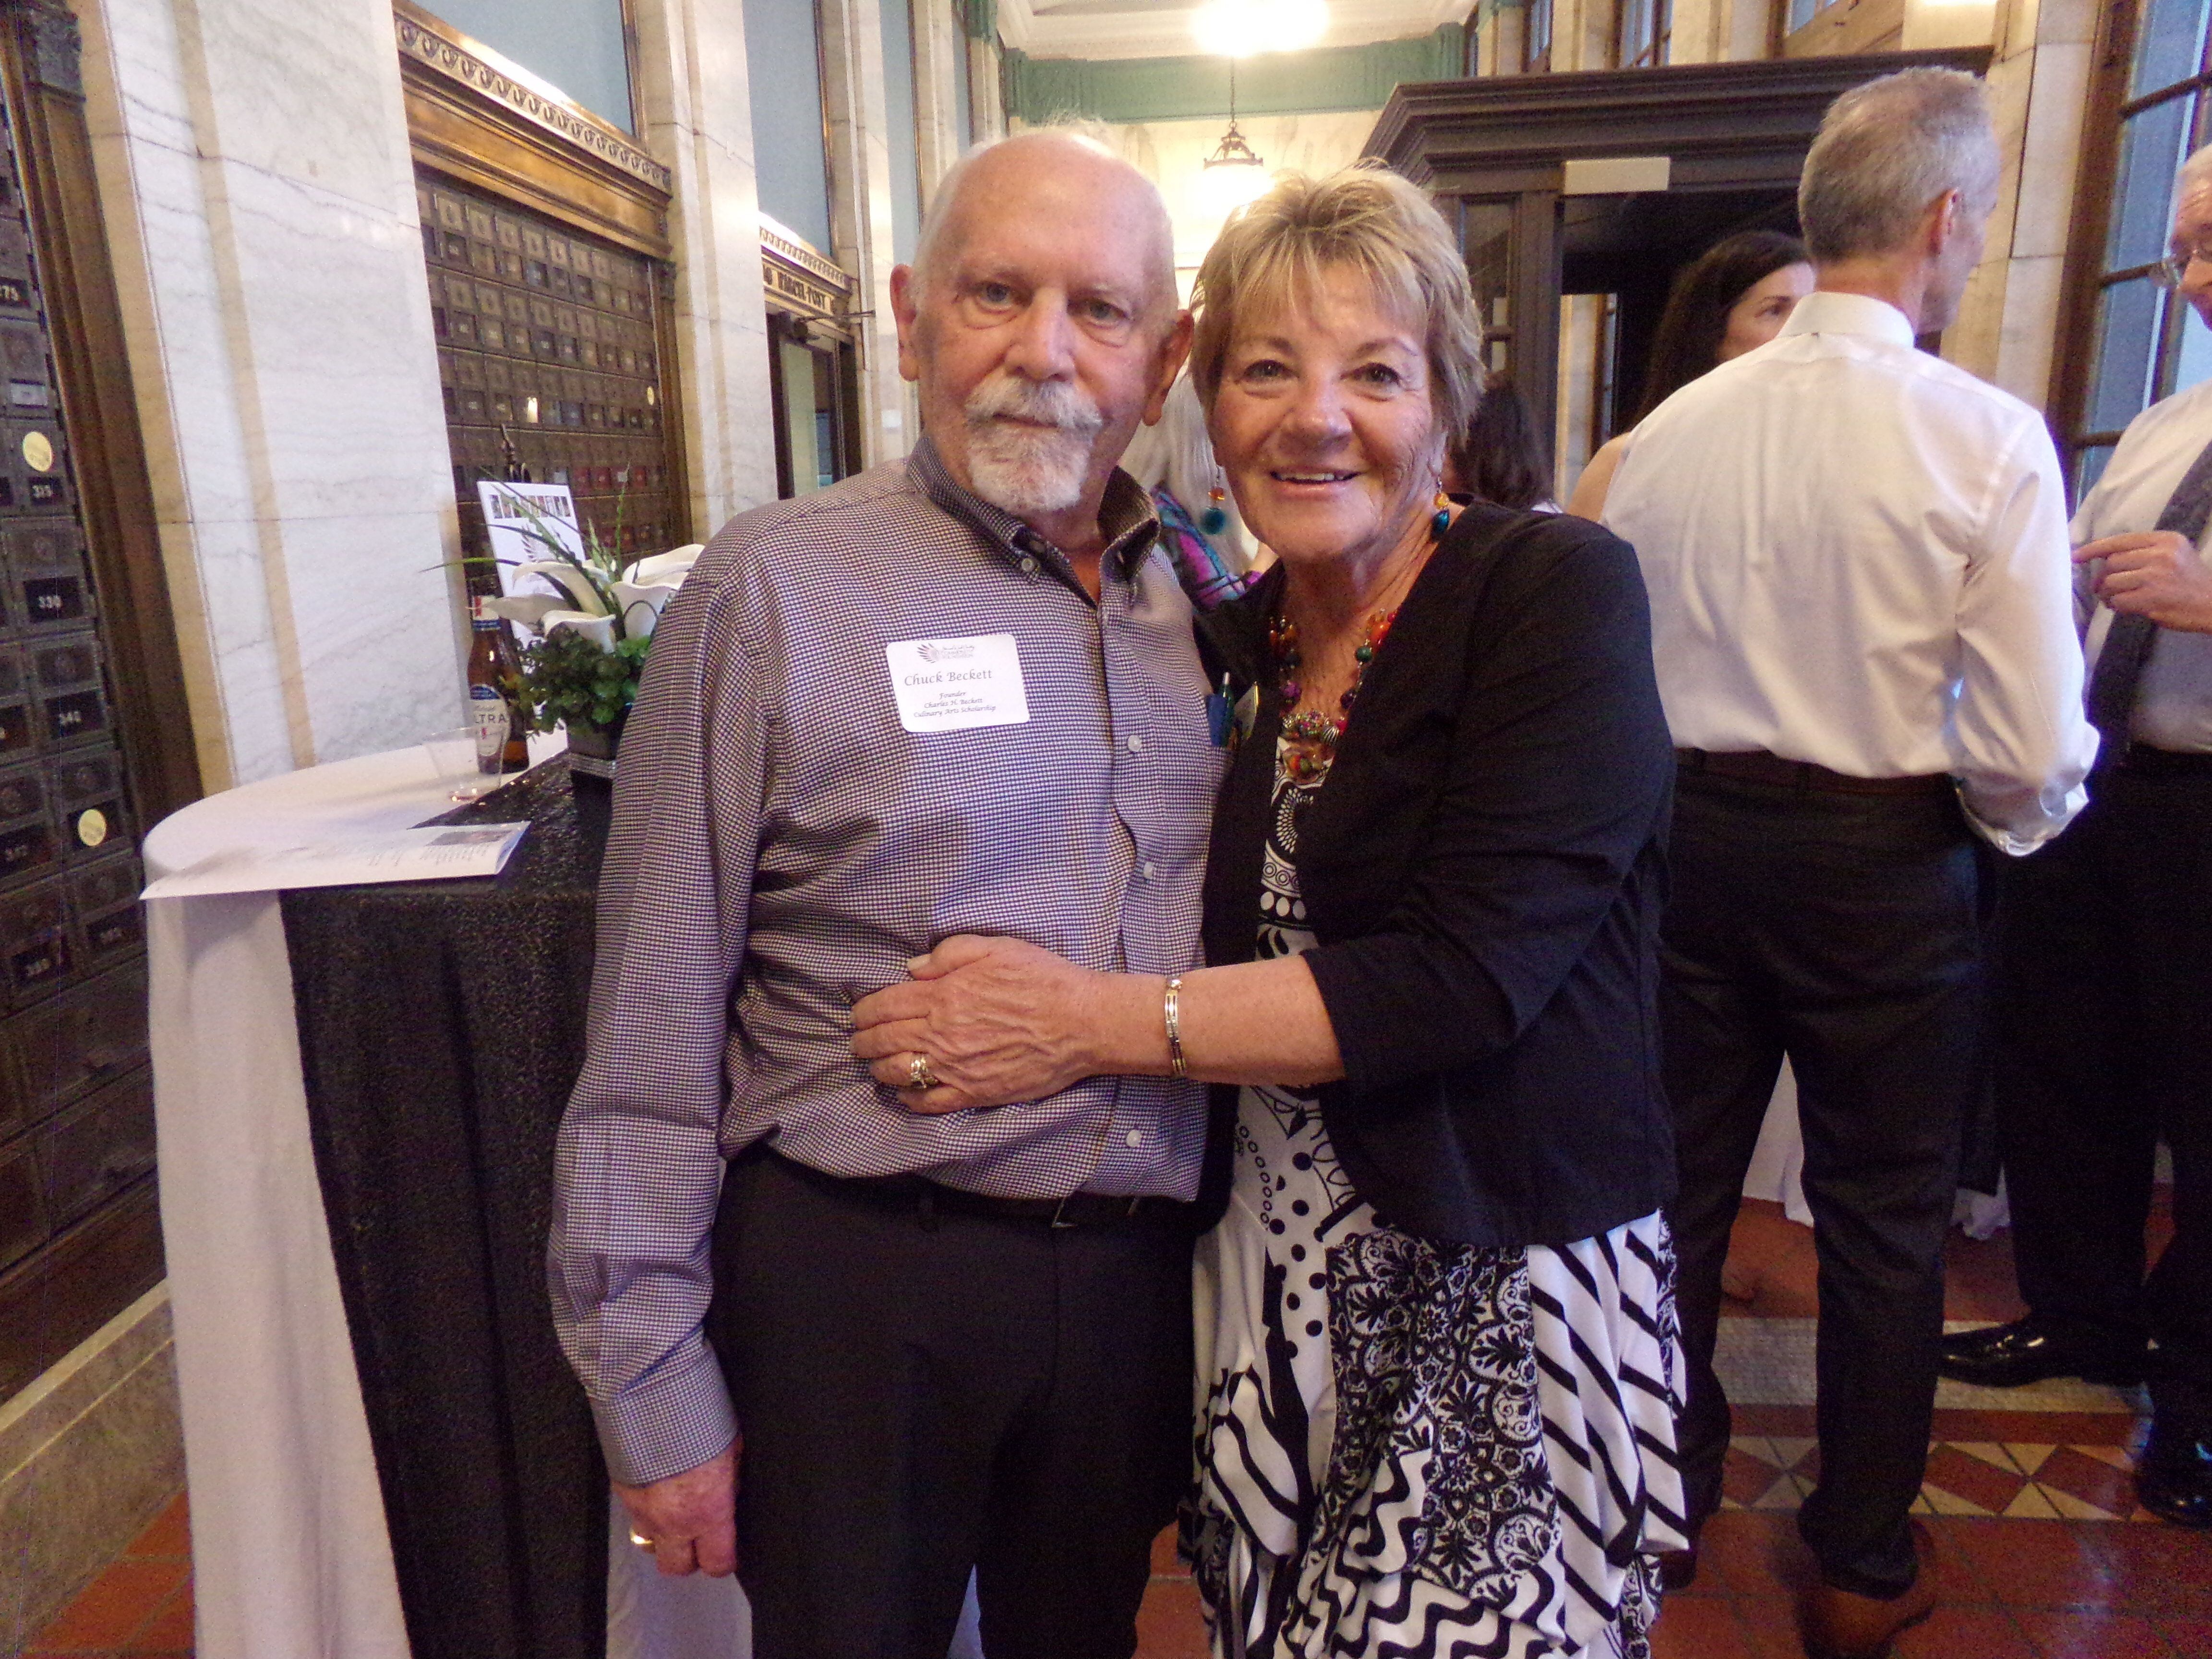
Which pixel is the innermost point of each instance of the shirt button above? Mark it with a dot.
(1029, 565)
(1135, 1138)
(1151, 869)
(1136, 744)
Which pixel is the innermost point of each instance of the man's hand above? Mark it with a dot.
(2155, 574)
(691, 1517)
(999, 1020)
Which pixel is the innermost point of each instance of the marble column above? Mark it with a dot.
(695, 116)
(253, 167)
(2008, 321)
(861, 212)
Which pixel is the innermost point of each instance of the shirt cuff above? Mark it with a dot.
(674, 1419)
(2020, 843)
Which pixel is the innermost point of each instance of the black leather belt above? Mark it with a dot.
(1757, 766)
(928, 1199)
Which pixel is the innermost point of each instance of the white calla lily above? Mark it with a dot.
(577, 585)
(600, 629)
(642, 603)
(530, 609)
(673, 565)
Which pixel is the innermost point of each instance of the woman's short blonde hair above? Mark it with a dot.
(1362, 218)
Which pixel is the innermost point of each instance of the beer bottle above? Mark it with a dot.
(494, 695)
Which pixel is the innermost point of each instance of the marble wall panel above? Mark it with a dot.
(254, 167)
(2027, 328)
(695, 117)
(861, 193)
(2052, 149)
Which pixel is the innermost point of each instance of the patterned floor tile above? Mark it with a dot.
(2096, 1482)
(1991, 1486)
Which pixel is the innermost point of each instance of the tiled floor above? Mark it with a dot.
(2043, 1554)
(141, 1605)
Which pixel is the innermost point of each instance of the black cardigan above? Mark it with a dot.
(1483, 869)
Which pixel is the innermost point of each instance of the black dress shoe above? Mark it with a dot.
(2173, 1480)
(2031, 1350)
(1678, 1569)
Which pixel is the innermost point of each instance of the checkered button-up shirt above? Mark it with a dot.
(782, 844)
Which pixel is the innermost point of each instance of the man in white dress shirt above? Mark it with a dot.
(1861, 617)
(2104, 1006)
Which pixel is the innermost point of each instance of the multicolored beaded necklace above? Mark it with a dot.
(1310, 739)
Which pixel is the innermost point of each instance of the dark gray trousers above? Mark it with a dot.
(925, 1394)
(1844, 932)
(2105, 1027)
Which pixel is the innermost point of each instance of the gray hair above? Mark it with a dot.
(1089, 135)
(2196, 174)
(1885, 150)
(1176, 455)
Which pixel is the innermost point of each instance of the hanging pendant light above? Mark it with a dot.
(1236, 173)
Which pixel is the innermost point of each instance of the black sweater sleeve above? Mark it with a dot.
(1558, 778)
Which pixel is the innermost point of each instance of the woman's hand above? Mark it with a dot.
(999, 1020)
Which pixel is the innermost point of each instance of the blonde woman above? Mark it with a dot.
(1436, 1349)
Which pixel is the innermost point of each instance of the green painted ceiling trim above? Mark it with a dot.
(1173, 88)
(980, 18)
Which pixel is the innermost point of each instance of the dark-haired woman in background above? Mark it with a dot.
(1499, 460)
(1731, 298)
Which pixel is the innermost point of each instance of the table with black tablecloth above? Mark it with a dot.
(356, 1233)
(441, 1026)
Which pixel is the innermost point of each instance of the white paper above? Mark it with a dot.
(509, 510)
(951, 685)
(437, 853)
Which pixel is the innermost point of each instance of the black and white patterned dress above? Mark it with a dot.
(1412, 1450)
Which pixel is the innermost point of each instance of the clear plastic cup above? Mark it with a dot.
(454, 762)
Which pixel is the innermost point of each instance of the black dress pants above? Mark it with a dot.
(1842, 931)
(923, 1393)
(2104, 1020)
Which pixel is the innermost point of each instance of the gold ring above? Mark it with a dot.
(641, 1539)
(918, 1074)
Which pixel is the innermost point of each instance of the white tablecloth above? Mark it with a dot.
(291, 1558)
(1777, 1171)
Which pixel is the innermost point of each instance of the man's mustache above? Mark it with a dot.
(1044, 403)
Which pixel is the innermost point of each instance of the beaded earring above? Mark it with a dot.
(1442, 521)
(1215, 518)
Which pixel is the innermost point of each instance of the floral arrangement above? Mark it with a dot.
(594, 628)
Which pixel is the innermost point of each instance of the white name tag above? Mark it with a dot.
(950, 685)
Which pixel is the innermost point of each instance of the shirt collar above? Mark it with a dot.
(1824, 312)
(1125, 516)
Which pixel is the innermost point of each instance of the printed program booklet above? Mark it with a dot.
(437, 853)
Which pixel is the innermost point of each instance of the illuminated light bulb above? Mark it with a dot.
(1223, 190)
(1237, 28)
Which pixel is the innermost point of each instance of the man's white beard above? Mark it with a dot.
(1028, 471)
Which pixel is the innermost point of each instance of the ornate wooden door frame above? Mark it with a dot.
(1508, 138)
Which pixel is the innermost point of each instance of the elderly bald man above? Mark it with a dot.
(957, 694)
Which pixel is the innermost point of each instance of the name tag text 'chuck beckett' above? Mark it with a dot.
(950, 685)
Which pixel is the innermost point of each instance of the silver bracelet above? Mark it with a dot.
(1172, 1010)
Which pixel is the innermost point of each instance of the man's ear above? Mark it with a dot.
(1943, 222)
(905, 309)
(1173, 351)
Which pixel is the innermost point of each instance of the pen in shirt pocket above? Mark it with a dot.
(1220, 717)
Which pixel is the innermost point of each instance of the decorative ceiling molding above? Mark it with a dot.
(437, 45)
(1148, 28)
(775, 240)
(1040, 90)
